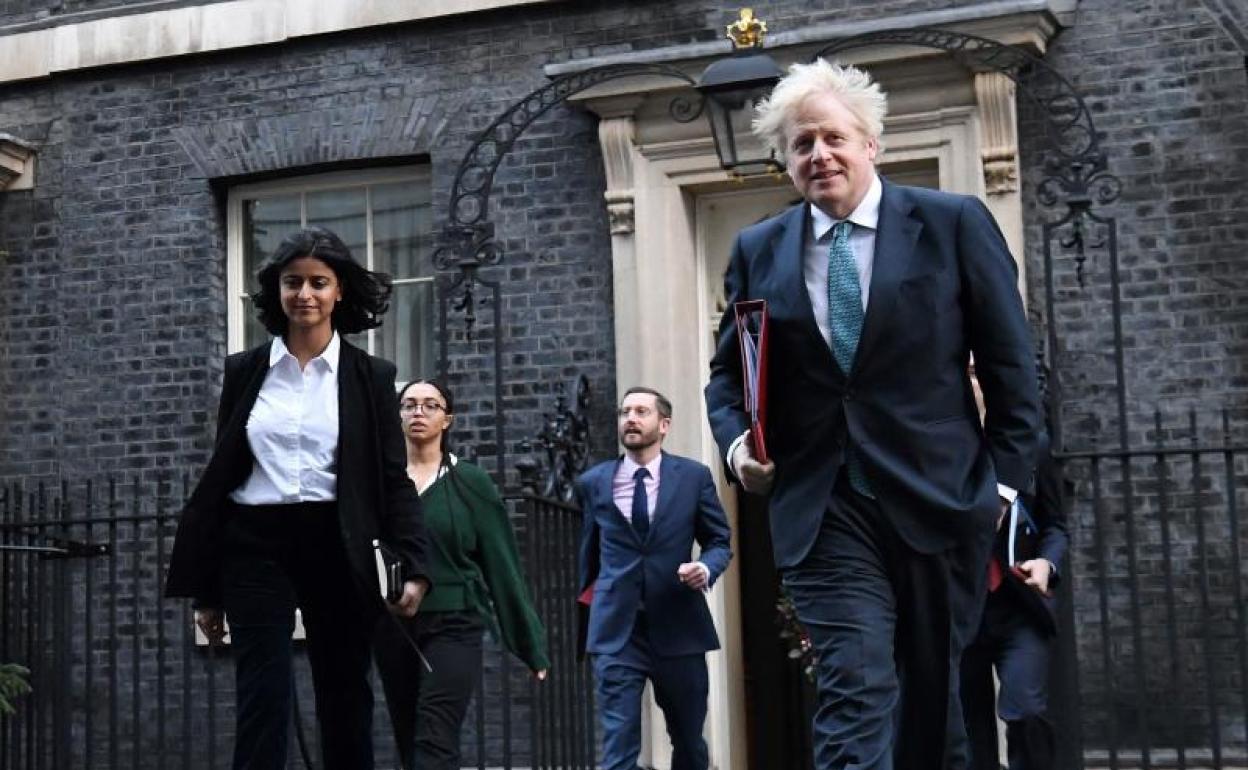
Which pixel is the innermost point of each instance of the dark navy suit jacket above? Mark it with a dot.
(1047, 506)
(616, 562)
(943, 285)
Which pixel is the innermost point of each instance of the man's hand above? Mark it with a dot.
(1036, 573)
(211, 622)
(413, 592)
(694, 574)
(756, 477)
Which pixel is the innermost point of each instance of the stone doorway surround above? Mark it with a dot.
(664, 289)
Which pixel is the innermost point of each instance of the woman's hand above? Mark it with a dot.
(212, 623)
(413, 592)
(540, 675)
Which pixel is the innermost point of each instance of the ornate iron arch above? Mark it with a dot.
(466, 244)
(467, 241)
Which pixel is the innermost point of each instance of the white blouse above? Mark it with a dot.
(293, 430)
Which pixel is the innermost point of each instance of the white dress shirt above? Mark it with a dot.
(623, 484)
(865, 218)
(861, 242)
(293, 430)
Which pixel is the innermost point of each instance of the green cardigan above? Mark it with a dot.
(475, 564)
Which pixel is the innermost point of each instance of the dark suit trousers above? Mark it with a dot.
(278, 557)
(680, 688)
(427, 708)
(1009, 640)
(888, 625)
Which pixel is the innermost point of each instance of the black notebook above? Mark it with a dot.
(389, 572)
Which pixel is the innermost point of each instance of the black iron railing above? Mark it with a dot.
(1160, 641)
(120, 680)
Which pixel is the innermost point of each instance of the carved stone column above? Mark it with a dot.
(998, 143)
(17, 163)
(998, 131)
(616, 130)
(615, 136)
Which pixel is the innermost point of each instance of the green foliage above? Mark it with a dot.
(13, 685)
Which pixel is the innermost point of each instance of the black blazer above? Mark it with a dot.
(943, 285)
(376, 499)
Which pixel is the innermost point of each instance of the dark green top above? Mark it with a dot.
(475, 564)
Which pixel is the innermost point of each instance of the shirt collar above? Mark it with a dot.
(629, 466)
(866, 215)
(278, 351)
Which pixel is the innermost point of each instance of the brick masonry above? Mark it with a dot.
(113, 292)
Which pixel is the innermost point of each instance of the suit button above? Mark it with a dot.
(849, 395)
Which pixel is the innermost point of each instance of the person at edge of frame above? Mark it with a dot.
(1016, 635)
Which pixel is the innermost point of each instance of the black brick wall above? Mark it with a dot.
(112, 269)
(1167, 90)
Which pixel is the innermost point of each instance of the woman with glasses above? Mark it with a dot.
(308, 470)
(474, 563)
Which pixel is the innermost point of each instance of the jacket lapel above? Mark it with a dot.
(788, 257)
(895, 237)
(232, 443)
(606, 499)
(353, 404)
(669, 480)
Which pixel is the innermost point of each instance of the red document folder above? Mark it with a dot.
(752, 338)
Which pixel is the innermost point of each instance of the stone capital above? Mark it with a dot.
(17, 163)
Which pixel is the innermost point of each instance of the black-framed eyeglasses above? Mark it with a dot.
(425, 407)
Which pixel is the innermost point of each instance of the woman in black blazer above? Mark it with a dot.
(309, 468)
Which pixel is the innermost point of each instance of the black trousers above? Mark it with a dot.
(278, 557)
(889, 626)
(427, 708)
(1020, 651)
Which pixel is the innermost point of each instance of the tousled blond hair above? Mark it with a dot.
(860, 95)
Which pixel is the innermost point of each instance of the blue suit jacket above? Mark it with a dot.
(943, 286)
(615, 561)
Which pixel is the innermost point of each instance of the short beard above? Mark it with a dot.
(645, 442)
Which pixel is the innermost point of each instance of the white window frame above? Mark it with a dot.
(236, 280)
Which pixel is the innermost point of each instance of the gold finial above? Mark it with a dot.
(747, 31)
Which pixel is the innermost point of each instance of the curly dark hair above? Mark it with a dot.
(365, 293)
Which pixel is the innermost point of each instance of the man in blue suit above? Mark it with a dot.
(884, 487)
(648, 618)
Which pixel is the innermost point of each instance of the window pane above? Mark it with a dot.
(408, 335)
(266, 221)
(253, 332)
(343, 212)
(401, 230)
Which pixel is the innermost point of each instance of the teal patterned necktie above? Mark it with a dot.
(844, 297)
(845, 316)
